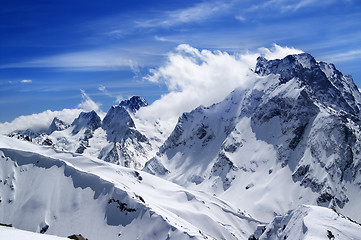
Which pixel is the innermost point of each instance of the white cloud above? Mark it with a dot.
(240, 18)
(26, 81)
(105, 91)
(341, 57)
(87, 103)
(288, 5)
(278, 52)
(202, 77)
(163, 39)
(102, 88)
(41, 121)
(38, 121)
(79, 61)
(196, 13)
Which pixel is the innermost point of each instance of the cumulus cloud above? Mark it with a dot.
(41, 121)
(201, 77)
(278, 52)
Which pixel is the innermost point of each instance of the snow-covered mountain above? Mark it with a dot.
(60, 193)
(113, 139)
(277, 154)
(292, 138)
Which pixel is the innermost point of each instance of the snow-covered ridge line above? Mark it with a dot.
(121, 200)
(80, 177)
(311, 222)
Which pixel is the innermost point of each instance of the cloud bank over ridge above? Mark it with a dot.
(41, 121)
(202, 77)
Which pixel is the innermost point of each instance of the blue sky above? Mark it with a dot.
(51, 50)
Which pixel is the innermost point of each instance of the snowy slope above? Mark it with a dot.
(292, 138)
(311, 222)
(63, 194)
(13, 233)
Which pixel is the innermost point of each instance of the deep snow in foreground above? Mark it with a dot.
(64, 194)
(9, 233)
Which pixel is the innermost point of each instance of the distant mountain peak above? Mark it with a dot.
(134, 103)
(57, 125)
(89, 120)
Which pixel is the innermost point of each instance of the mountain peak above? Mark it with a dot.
(323, 81)
(89, 120)
(134, 103)
(117, 122)
(56, 125)
(289, 67)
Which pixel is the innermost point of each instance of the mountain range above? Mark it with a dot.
(279, 159)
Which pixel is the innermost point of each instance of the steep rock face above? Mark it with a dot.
(128, 146)
(85, 124)
(86, 120)
(297, 130)
(57, 125)
(134, 103)
(326, 83)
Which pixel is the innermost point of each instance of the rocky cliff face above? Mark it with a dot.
(128, 146)
(134, 103)
(57, 125)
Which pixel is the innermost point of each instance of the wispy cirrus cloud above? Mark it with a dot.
(240, 18)
(344, 56)
(197, 13)
(105, 91)
(20, 81)
(87, 103)
(26, 81)
(288, 5)
(79, 61)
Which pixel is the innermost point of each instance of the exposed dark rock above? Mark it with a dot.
(57, 125)
(77, 237)
(134, 103)
(122, 206)
(47, 142)
(44, 229)
(86, 120)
